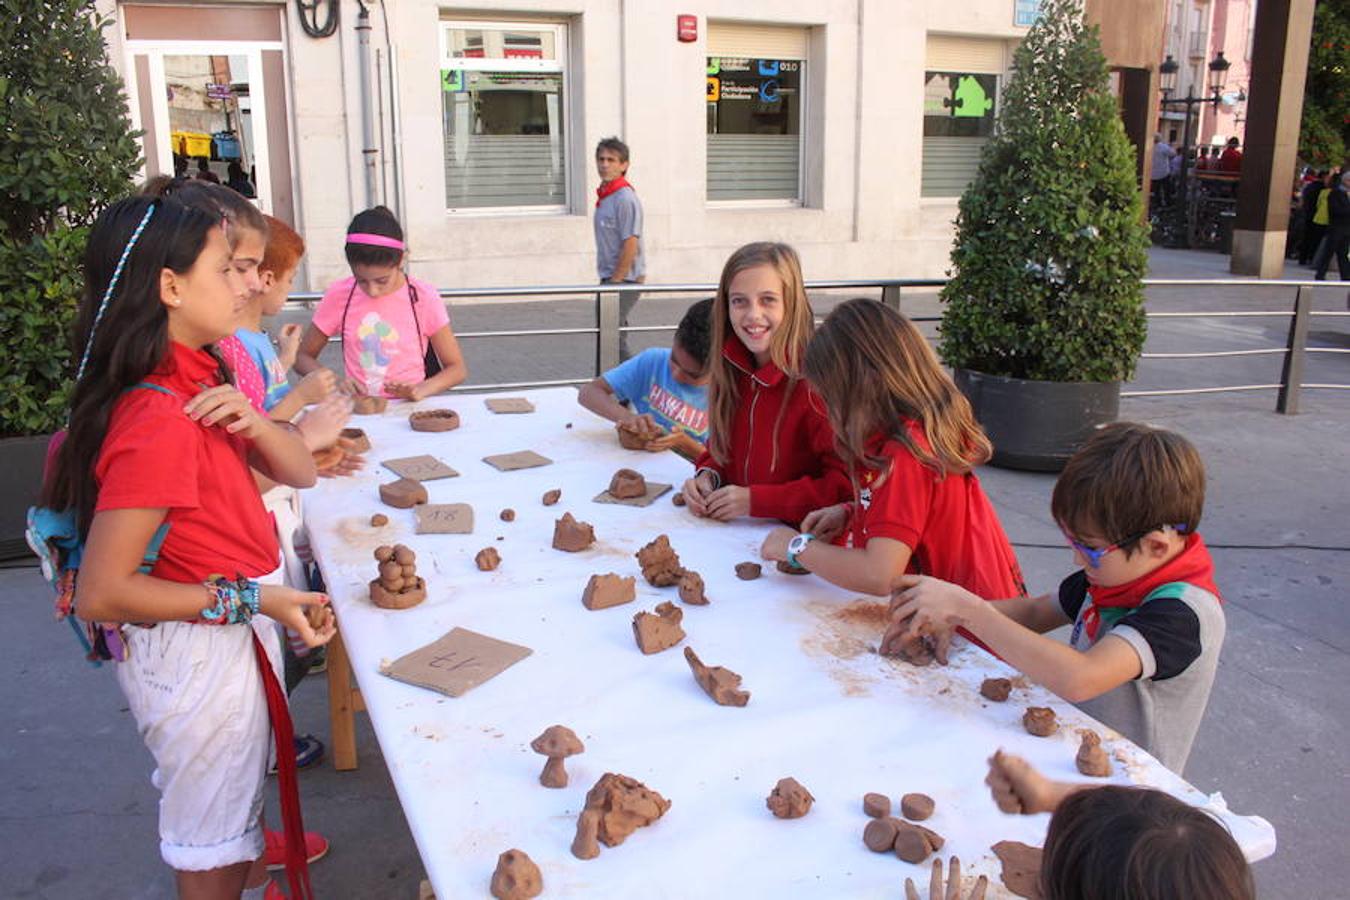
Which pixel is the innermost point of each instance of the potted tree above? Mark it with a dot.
(65, 152)
(1044, 314)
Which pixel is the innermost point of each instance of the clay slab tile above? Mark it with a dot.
(604, 591)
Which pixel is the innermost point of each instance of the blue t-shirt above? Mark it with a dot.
(259, 347)
(646, 383)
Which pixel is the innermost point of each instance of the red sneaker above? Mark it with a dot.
(274, 848)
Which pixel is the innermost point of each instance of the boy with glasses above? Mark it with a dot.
(1147, 617)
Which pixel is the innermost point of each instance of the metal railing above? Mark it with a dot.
(607, 329)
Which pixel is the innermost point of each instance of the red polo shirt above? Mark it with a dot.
(155, 457)
(947, 522)
(774, 413)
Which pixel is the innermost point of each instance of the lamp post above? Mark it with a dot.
(1218, 74)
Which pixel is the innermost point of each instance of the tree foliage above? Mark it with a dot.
(66, 151)
(1324, 136)
(1050, 248)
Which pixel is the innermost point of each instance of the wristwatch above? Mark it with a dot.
(797, 545)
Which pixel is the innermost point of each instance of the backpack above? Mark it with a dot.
(54, 537)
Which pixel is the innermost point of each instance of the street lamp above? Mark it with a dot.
(1167, 81)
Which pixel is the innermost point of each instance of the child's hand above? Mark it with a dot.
(316, 386)
(352, 388)
(727, 503)
(322, 425)
(1018, 788)
(697, 490)
(289, 607)
(226, 406)
(644, 426)
(346, 462)
(775, 545)
(413, 392)
(826, 523)
(925, 606)
(288, 342)
(952, 890)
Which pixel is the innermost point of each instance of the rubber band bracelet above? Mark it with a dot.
(231, 602)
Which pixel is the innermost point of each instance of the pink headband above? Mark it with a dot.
(374, 240)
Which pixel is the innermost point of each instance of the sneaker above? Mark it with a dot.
(274, 848)
(319, 665)
(308, 751)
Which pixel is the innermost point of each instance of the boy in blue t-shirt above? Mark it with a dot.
(661, 396)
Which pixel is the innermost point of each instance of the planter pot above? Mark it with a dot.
(1037, 425)
(21, 461)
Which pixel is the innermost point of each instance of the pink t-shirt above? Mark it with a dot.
(246, 375)
(381, 342)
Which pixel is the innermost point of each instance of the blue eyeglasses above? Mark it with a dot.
(1094, 555)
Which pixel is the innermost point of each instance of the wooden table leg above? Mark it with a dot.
(342, 705)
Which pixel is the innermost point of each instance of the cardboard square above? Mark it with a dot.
(419, 468)
(654, 489)
(457, 662)
(510, 405)
(444, 518)
(521, 459)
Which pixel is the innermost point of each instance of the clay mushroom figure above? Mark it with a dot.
(557, 743)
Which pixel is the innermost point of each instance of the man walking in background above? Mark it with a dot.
(618, 229)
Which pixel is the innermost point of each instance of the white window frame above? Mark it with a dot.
(799, 201)
(517, 64)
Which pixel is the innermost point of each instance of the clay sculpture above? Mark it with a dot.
(660, 630)
(379, 520)
(788, 568)
(678, 498)
(434, 420)
(660, 563)
(516, 877)
(1092, 759)
(691, 589)
(916, 650)
(996, 689)
(487, 559)
(557, 743)
(604, 591)
(916, 807)
(788, 799)
(357, 441)
(721, 684)
(878, 806)
(748, 571)
(1040, 721)
(551, 497)
(398, 586)
(1021, 867)
(571, 535)
(879, 835)
(366, 405)
(627, 484)
(403, 494)
(914, 843)
(632, 439)
(508, 515)
(615, 808)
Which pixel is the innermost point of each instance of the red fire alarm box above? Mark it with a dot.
(686, 28)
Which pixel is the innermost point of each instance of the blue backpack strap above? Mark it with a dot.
(152, 549)
(151, 386)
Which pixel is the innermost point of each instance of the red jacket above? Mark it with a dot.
(808, 474)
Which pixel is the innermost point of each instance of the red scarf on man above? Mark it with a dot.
(609, 187)
(1192, 565)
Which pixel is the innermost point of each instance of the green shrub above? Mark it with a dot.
(66, 151)
(1050, 247)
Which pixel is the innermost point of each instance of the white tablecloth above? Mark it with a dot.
(824, 709)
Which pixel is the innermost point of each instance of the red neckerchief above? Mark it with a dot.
(1192, 565)
(608, 187)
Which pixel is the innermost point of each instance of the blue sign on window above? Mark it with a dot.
(1026, 12)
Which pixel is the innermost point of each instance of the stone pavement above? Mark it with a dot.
(77, 812)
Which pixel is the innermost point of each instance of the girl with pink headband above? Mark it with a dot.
(395, 331)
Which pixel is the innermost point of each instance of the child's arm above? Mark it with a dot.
(453, 369)
(288, 344)
(278, 451)
(313, 388)
(599, 398)
(927, 603)
(870, 570)
(1019, 788)
(112, 589)
(311, 345)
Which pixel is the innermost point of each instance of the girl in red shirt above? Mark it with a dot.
(770, 448)
(911, 443)
(156, 470)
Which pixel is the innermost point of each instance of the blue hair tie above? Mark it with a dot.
(112, 286)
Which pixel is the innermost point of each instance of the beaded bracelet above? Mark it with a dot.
(231, 602)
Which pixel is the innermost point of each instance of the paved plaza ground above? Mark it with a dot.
(77, 812)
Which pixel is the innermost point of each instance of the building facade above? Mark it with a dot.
(1198, 30)
(847, 128)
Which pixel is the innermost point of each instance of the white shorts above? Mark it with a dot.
(284, 504)
(198, 699)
